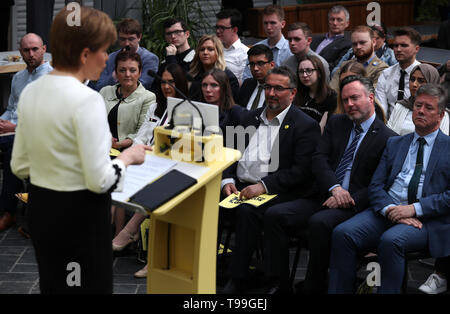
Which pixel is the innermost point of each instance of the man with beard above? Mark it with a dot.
(276, 160)
(32, 51)
(363, 44)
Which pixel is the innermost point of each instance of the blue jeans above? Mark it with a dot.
(366, 231)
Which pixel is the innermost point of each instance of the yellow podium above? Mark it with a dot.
(182, 246)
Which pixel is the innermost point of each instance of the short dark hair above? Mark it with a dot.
(365, 81)
(234, 15)
(435, 91)
(285, 71)
(410, 32)
(261, 50)
(129, 26)
(125, 55)
(300, 25)
(171, 21)
(274, 9)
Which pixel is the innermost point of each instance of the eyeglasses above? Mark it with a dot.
(419, 80)
(277, 88)
(308, 72)
(222, 28)
(176, 33)
(258, 63)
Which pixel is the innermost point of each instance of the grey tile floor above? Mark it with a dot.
(19, 273)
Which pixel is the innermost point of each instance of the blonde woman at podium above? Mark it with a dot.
(172, 74)
(62, 144)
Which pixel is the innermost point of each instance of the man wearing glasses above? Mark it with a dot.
(235, 52)
(129, 35)
(178, 50)
(260, 60)
(277, 160)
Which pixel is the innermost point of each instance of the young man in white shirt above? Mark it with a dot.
(391, 87)
(235, 52)
(273, 22)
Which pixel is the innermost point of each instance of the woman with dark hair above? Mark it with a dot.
(157, 114)
(216, 90)
(314, 96)
(62, 144)
(128, 101)
(400, 120)
(209, 55)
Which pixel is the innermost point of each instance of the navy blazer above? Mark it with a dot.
(435, 200)
(296, 142)
(334, 51)
(246, 91)
(331, 148)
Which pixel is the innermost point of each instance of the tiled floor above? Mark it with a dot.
(19, 275)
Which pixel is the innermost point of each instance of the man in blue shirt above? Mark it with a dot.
(409, 202)
(129, 34)
(273, 22)
(32, 51)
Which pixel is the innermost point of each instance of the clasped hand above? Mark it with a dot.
(340, 198)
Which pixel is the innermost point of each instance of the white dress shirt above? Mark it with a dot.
(62, 139)
(387, 86)
(254, 163)
(262, 98)
(236, 58)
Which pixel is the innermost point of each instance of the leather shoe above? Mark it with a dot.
(24, 232)
(279, 290)
(142, 273)
(233, 286)
(7, 221)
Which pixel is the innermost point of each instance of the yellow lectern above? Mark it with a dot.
(183, 232)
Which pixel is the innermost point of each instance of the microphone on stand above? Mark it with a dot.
(185, 98)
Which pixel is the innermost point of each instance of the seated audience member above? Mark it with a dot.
(128, 101)
(216, 90)
(178, 50)
(251, 93)
(408, 195)
(32, 50)
(277, 160)
(345, 159)
(382, 50)
(355, 68)
(444, 71)
(209, 55)
(156, 116)
(314, 96)
(273, 23)
(235, 52)
(172, 74)
(129, 34)
(299, 36)
(363, 45)
(335, 43)
(393, 82)
(401, 117)
(443, 40)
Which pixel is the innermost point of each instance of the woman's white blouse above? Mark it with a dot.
(62, 139)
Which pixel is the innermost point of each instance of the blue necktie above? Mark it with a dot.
(413, 185)
(348, 155)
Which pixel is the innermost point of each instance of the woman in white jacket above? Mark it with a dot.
(400, 120)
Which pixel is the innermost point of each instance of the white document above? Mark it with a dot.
(191, 170)
(138, 176)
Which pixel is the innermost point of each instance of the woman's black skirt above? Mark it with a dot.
(71, 235)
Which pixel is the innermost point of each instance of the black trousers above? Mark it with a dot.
(71, 235)
(320, 228)
(249, 223)
(281, 221)
(10, 183)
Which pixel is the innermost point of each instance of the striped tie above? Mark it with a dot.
(413, 185)
(348, 155)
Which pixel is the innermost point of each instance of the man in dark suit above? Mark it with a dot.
(334, 44)
(409, 202)
(251, 94)
(343, 164)
(276, 160)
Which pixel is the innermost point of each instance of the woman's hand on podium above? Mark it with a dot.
(134, 155)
